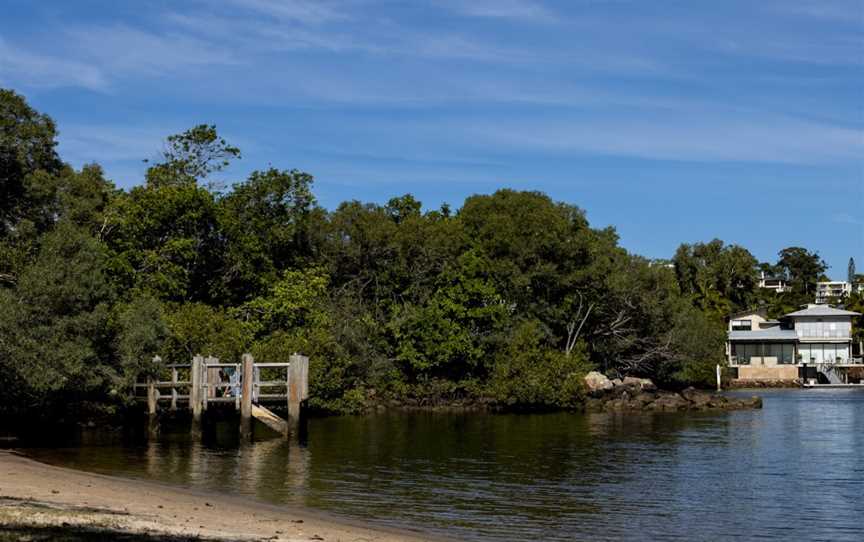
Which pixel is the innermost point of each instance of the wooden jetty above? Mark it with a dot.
(203, 385)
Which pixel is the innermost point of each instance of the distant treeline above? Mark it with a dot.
(511, 298)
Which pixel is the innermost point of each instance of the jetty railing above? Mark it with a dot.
(247, 385)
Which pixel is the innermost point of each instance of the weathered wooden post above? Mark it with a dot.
(719, 387)
(208, 388)
(213, 379)
(298, 388)
(235, 391)
(195, 391)
(173, 389)
(152, 399)
(246, 376)
(151, 396)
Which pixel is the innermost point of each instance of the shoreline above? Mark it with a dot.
(40, 498)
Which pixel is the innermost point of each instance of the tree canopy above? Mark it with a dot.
(511, 297)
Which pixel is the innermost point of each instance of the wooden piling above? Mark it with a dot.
(173, 389)
(213, 379)
(151, 396)
(153, 399)
(248, 369)
(195, 390)
(719, 387)
(298, 388)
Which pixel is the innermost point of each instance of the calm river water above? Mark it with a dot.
(794, 470)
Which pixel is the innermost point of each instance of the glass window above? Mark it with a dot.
(806, 352)
(787, 353)
(774, 350)
(742, 325)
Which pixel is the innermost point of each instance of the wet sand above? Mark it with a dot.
(35, 497)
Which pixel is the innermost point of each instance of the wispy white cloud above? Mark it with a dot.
(851, 11)
(84, 143)
(501, 9)
(251, 35)
(20, 66)
(711, 136)
(122, 49)
(305, 11)
(846, 218)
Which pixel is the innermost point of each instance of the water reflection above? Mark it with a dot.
(792, 470)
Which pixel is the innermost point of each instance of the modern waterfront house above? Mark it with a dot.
(803, 344)
(778, 284)
(827, 291)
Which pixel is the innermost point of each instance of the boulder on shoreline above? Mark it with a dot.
(598, 382)
(640, 394)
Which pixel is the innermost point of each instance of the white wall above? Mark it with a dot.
(837, 327)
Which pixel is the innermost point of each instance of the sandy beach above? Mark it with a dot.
(40, 498)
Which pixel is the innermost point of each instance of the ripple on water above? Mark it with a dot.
(792, 470)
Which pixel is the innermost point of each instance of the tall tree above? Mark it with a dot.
(803, 269)
(191, 156)
(264, 222)
(54, 333)
(27, 144)
(721, 278)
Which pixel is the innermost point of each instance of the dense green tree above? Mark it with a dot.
(721, 278)
(200, 329)
(54, 341)
(140, 330)
(27, 146)
(541, 254)
(803, 269)
(855, 303)
(528, 373)
(166, 242)
(449, 334)
(511, 298)
(190, 157)
(264, 222)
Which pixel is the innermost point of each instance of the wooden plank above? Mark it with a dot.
(272, 383)
(168, 384)
(271, 420)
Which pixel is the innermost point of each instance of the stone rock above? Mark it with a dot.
(718, 401)
(644, 398)
(691, 393)
(648, 385)
(640, 383)
(615, 405)
(753, 402)
(617, 382)
(593, 405)
(670, 402)
(632, 381)
(597, 381)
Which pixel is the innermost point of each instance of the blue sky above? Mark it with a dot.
(674, 121)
